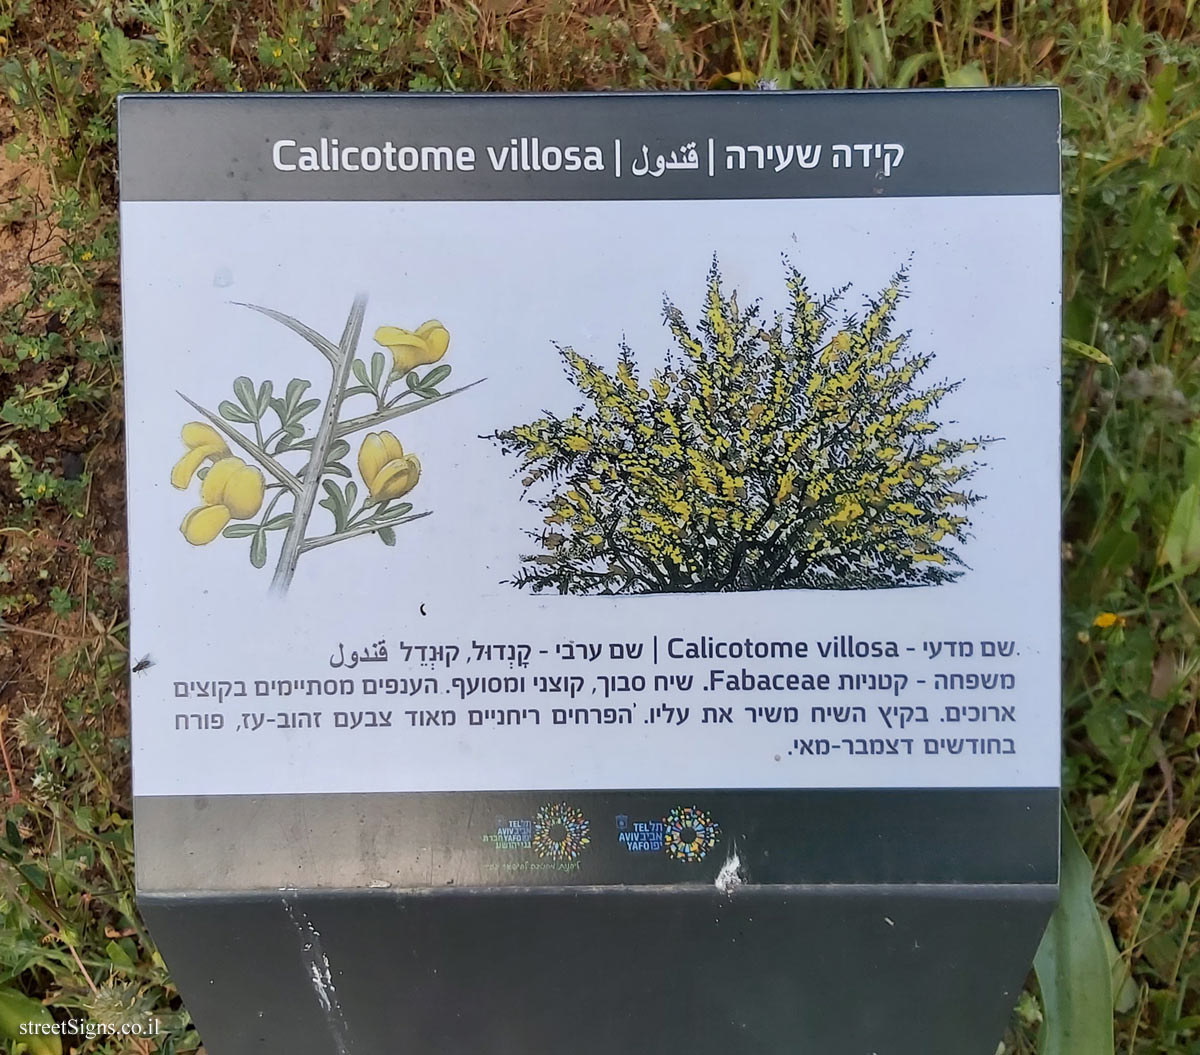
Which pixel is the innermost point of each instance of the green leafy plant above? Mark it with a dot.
(1073, 966)
(18, 1013)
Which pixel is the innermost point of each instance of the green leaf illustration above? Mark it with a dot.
(263, 400)
(335, 503)
(296, 388)
(232, 412)
(393, 512)
(258, 549)
(436, 376)
(243, 388)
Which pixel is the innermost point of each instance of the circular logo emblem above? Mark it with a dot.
(689, 833)
(560, 832)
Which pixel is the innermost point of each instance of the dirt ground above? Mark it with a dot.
(46, 654)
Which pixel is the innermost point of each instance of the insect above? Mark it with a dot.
(145, 663)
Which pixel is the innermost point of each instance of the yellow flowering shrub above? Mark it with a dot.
(766, 453)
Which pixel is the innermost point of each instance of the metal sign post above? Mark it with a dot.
(599, 557)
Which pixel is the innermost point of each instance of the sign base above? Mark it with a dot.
(365, 923)
(883, 970)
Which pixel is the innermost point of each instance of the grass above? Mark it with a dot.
(1130, 73)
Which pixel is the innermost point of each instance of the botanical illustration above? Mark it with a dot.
(766, 453)
(263, 459)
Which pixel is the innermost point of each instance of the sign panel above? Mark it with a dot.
(543, 443)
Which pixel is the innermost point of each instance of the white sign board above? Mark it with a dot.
(507, 444)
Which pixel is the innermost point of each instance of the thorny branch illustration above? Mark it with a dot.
(234, 487)
(766, 453)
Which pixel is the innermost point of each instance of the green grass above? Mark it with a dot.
(1130, 72)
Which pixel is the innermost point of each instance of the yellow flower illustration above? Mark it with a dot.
(413, 348)
(204, 523)
(234, 484)
(232, 490)
(386, 470)
(261, 458)
(202, 442)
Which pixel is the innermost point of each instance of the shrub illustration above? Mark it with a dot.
(272, 432)
(767, 453)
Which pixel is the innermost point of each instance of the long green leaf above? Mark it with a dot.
(1072, 964)
(1181, 546)
(17, 1010)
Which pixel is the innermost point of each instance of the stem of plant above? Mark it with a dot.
(302, 510)
(288, 479)
(368, 421)
(362, 529)
(273, 503)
